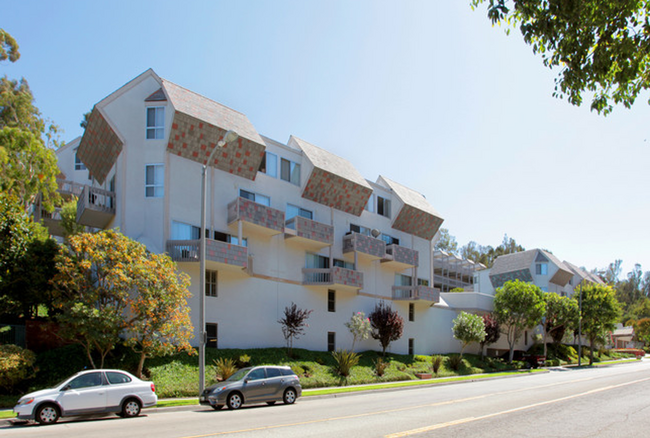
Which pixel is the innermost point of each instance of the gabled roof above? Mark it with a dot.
(513, 262)
(584, 275)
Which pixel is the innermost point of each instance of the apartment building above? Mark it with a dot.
(286, 222)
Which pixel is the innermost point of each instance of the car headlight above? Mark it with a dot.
(25, 401)
(218, 389)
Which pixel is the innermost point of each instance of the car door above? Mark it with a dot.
(83, 394)
(119, 386)
(254, 387)
(274, 384)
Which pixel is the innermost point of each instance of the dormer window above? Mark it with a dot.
(155, 123)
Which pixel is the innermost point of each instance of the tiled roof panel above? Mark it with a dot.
(100, 146)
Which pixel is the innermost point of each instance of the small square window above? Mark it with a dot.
(212, 331)
(155, 123)
(78, 164)
(269, 164)
(153, 184)
(383, 206)
(541, 268)
(290, 171)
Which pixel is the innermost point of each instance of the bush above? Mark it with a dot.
(224, 368)
(345, 360)
(243, 361)
(455, 362)
(300, 371)
(16, 365)
(380, 366)
(436, 363)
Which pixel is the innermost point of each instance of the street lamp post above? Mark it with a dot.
(580, 326)
(227, 138)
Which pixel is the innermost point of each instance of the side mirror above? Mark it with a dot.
(65, 388)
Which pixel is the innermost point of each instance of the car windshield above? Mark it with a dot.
(238, 375)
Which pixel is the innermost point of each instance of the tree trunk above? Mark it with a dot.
(138, 373)
(90, 357)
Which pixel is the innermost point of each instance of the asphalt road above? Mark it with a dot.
(600, 402)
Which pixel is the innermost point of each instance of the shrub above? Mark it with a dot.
(436, 363)
(345, 360)
(300, 371)
(380, 366)
(16, 365)
(455, 362)
(224, 368)
(243, 361)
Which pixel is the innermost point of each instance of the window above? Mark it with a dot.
(370, 205)
(403, 280)
(255, 197)
(411, 345)
(331, 300)
(153, 181)
(86, 381)
(423, 282)
(78, 164)
(117, 378)
(290, 171)
(293, 211)
(316, 261)
(383, 206)
(211, 335)
(210, 283)
(344, 264)
(229, 238)
(273, 372)
(390, 240)
(257, 374)
(411, 312)
(183, 231)
(360, 229)
(155, 123)
(541, 268)
(269, 164)
(331, 341)
(544, 288)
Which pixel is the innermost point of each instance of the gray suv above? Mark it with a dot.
(254, 385)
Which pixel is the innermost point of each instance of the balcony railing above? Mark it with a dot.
(336, 276)
(415, 293)
(215, 251)
(309, 230)
(95, 207)
(401, 256)
(70, 188)
(365, 245)
(265, 219)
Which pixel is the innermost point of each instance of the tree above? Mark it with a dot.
(108, 285)
(612, 272)
(602, 47)
(293, 324)
(158, 315)
(446, 242)
(468, 328)
(492, 331)
(359, 326)
(517, 307)
(8, 47)
(600, 311)
(561, 314)
(642, 330)
(387, 325)
(69, 219)
(487, 254)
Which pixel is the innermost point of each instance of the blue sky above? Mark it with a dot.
(427, 93)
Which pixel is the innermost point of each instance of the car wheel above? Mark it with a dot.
(47, 414)
(217, 407)
(131, 408)
(234, 400)
(270, 403)
(289, 396)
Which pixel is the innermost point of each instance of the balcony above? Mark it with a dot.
(333, 278)
(469, 301)
(68, 189)
(218, 255)
(308, 233)
(52, 221)
(366, 246)
(95, 207)
(256, 218)
(399, 257)
(416, 293)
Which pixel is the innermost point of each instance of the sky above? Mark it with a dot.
(426, 93)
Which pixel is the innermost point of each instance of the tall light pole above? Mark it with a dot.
(580, 326)
(227, 138)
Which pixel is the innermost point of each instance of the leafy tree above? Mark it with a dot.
(492, 331)
(359, 326)
(642, 330)
(158, 321)
(612, 272)
(468, 328)
(601, 47)
(561, 314)
(110, 285)
(16, 365)
(517, 307)
(8, 47)
(600, 311)
(387, 325)
(487, 254)
(69, 219)
(293, 324)
(446, 242)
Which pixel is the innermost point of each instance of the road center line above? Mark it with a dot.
(509, 411)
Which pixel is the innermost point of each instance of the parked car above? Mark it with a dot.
(532, 360)
(262, 384)
(87, 393)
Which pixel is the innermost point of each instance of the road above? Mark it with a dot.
(600, 402)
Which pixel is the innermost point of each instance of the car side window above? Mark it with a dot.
(86, 381)
(117, 378)
(287, 372)
(273, 372)
(256, 374)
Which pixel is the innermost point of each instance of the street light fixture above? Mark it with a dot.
(227, 138)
